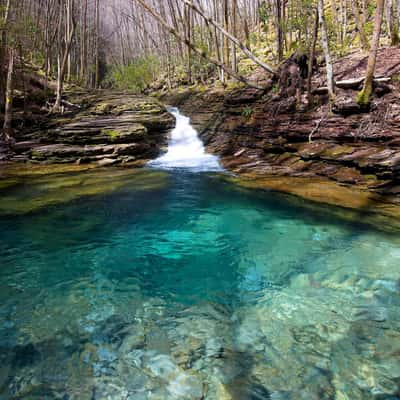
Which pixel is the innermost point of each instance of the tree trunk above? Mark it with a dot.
(359, 25)
(68, 32)
(392, 22)
(7, 129)
(187, 14)
(364, 97)
(226, 28)
(97, 55)
(311, 57)
(83, 49)
(327, 53)
(62, 64)
(279, 29)
(234, 31)
(3, 43)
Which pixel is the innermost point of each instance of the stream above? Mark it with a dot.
(171, 282)
(185, 149)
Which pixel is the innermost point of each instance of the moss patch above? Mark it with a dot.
(337, 151)
(102, 108)
(363, 98)
(112, 133)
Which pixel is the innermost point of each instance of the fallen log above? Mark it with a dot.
(349, 84)
(356, 83)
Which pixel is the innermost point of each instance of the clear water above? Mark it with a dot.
(185, 149)
(182, 286)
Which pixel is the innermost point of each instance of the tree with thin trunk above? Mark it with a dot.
(364, 97)
(234, 31)
(3, 43)
(327, 53)
(359, 25)
(97, 49)
(311, 56)
(7, 128)
(393, 23)
(62, 65)
(279, 28)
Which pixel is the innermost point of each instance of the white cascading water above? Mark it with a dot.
(185, 149)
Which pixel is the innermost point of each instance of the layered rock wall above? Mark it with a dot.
(108, 128)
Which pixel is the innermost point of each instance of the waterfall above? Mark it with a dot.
(185, 149)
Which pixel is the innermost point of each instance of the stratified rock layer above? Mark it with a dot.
(274, 140)
(109, 128)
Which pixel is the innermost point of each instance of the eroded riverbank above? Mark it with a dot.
(272, 139)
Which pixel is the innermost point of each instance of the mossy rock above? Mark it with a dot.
(145, 107)
(112, 133)
(337, 151)
(135, 132)
(35, 155)
(101, 109)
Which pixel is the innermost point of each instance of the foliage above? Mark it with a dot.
(247, 112)
(135, 76)
(112, 133)
(275, 88)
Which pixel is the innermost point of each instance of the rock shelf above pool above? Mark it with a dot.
(108, 128)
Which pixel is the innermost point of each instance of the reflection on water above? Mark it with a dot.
(180, 286)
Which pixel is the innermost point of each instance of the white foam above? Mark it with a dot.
(185, 149)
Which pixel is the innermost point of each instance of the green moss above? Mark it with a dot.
(102, 108)
(141, 106)
(62, 121)
(112, 133)
(396, 78)
(36, 155)
(337, 151)
(364, 97)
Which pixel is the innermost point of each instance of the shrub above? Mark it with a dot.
(135, 76)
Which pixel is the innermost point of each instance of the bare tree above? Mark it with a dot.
(311, 56)
(364, 97)
(360, 25)
(7, 128)
(327, 52)
(62, 62)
